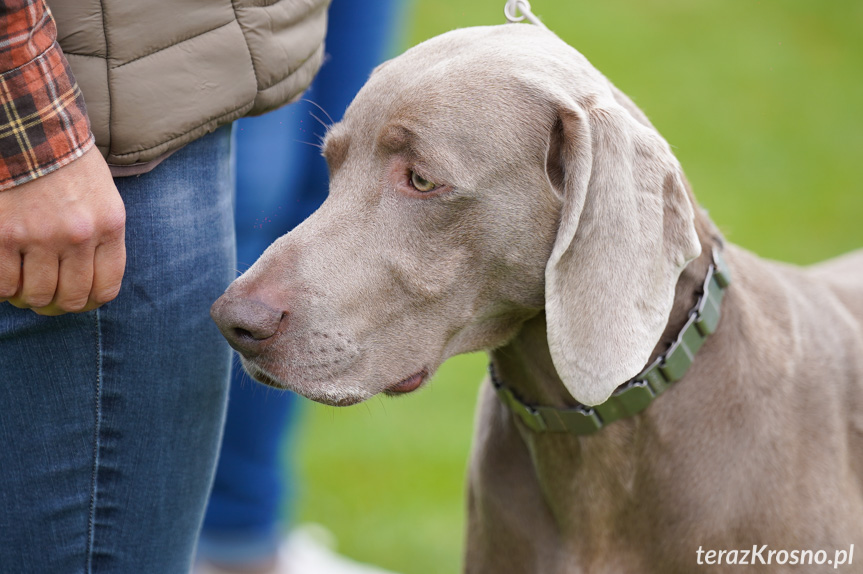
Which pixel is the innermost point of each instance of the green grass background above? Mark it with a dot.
(762, 101)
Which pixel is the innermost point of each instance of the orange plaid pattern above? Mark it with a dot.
(43, 119)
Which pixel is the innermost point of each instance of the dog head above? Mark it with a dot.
(482, 177)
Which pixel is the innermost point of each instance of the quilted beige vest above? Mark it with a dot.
(157, 74)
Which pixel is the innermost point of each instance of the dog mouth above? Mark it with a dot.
(262, 376)
(408, 384)
(332, 396)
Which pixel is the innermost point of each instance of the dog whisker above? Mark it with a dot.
(329, 117)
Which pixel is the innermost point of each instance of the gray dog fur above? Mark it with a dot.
(563, 238)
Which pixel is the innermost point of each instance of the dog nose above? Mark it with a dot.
(247, 324)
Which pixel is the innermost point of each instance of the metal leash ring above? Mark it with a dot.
(513, 7)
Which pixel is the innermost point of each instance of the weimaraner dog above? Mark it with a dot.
(491, 190)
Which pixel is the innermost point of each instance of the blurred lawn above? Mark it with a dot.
(762, 102)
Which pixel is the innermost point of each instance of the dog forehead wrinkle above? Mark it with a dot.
(430, 135)
(395, 137)
(419, 147)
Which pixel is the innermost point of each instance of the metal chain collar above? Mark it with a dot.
(636, 394)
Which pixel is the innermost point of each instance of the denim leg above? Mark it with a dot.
(111, 420)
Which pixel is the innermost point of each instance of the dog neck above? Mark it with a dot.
(604, 467)
(525, 363)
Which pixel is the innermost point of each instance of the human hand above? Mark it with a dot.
(62, 239)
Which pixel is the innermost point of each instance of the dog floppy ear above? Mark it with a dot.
(626, 232)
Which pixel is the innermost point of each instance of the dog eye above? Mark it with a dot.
(421, 184)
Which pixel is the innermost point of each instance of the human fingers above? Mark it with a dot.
(74, 283)
(38, 282)
(109, 264)
(10, 270)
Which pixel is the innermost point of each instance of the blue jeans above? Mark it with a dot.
(281, 179)
(110, 421)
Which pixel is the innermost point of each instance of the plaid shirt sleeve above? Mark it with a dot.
(43, 120)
